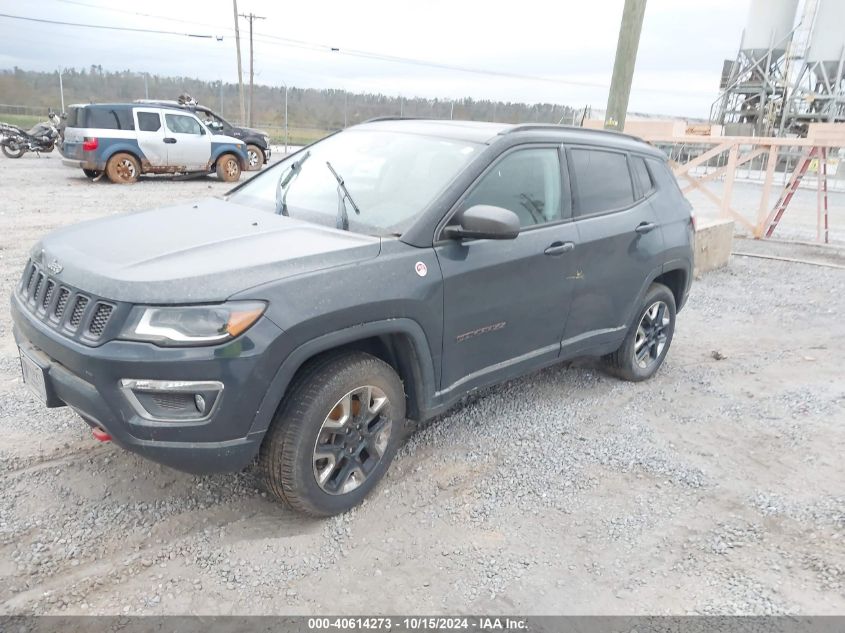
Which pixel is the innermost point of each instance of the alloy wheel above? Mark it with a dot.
(125, 169)
(232, 167)
(352, 440)
(252, 155)
(652, 334)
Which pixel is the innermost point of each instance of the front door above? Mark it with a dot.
(151, 134)
(188, 143)
(506, 301)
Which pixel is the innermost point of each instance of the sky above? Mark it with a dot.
(569, 43)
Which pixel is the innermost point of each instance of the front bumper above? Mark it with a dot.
(88, 379)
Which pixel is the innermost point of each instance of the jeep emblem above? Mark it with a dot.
(55, 267)
(421, 268)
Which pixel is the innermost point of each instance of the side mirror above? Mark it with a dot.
(485, 222)
(215, 125)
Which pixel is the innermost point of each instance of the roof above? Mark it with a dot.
(487, 132)
(157, 104)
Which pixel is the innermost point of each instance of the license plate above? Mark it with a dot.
(33, 376)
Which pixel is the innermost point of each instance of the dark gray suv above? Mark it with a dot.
(371, 279)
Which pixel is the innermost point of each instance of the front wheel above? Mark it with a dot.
(13, 150)
(255, 157)
(648, 340)
(228, 168)
(335, 435)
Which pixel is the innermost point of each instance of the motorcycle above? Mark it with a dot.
(43, 137)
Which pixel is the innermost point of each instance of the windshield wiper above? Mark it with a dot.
(342, 195)
(285, 180)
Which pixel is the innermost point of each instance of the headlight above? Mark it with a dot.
(266, 140)
(181, 326)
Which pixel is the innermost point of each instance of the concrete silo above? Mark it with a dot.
(818, 93)
(755, 83)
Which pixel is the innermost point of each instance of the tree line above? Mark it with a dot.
(325, 109)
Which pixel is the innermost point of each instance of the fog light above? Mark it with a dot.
(173, 400)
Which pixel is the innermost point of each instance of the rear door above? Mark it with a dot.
(149, 127)
(188, 143)
(620, 246)
(506, 301)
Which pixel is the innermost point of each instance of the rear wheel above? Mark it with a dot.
(91, 173)
(648, 340)
(228, 168)
(13, 150)
(123, 168)
(335, 435)
(255, 157)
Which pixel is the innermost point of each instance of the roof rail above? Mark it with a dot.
(522, 127)
(391, 118)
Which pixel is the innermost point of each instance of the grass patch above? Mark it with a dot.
(23, 121)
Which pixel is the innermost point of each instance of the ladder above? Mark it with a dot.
(820, 154)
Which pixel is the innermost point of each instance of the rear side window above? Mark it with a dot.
(149, 121)
(73, 117)
(641, 176)
(602, 181)
(109, 118)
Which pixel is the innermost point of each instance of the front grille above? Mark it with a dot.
(64, 293)
(101, 317)
(78, 310)
(76, 314)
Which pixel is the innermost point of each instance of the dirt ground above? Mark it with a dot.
(716, 487)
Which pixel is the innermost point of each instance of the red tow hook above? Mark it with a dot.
(100, 435)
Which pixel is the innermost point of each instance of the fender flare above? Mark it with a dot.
(228, 149)
(299, 356)
(126, 147)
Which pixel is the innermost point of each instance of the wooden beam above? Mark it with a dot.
(767, 189)
(740, 161)
(695, 162)
(730, 176)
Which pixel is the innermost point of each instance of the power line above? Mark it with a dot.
(397, 59)
(104, 27)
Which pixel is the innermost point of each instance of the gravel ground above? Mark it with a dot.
(716, 487)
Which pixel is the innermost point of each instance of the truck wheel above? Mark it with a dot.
(228, 168)
(335, 434)
(13, 150)
(123, 168)
(648, 340)
(91, 173)
(255, 156)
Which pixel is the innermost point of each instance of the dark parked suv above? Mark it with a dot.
(374, 277)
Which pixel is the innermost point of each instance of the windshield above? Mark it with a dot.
(391, 176)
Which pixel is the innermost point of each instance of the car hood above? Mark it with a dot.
(192, 253)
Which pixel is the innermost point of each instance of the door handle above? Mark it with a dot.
(559, 248)
(170, 140)
(645, 227)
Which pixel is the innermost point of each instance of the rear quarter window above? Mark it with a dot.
(109, 118)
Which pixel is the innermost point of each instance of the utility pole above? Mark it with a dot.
(251, 17)
(240, 68)
(61, 89)
(623, 66)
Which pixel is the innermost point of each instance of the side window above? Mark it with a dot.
(181, 124)
(527, 182)
(149, 121)
(641, 176)
(110, 119)
(602, 181)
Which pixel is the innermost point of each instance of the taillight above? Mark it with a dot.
(90, 144)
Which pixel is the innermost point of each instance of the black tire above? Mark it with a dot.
(288, 459)
(255, 158)
(624, 363)
(91, 173)
(13, 150)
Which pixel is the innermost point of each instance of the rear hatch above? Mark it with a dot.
(74, 136)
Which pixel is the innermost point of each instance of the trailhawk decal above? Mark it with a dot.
(495, 327)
